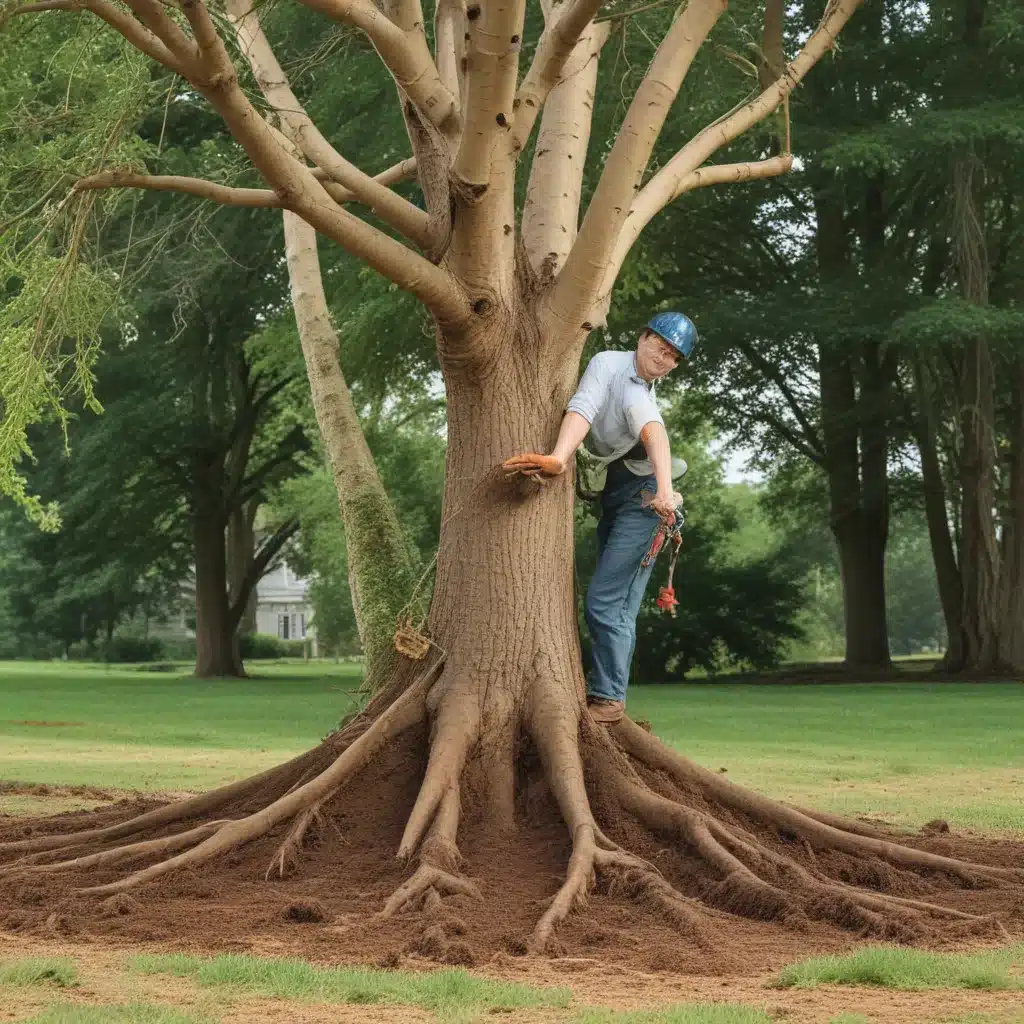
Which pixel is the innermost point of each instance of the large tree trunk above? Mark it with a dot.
(859, 516)
(861, 539)
(216, 647)
(979, 549)
(854, 432)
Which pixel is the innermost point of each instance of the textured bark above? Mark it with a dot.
(216, 647)
(241, 554)
(947, 572)
(979, 550)
(1011, 578)
(551, 213)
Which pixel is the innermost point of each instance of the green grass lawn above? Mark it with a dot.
(910, 969)
(903, 752)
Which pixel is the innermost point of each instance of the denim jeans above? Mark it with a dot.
(624, 534)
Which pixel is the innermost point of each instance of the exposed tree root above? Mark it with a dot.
(405, 712)
(134, 851)
(647, 749)
(286, 858)
(180, 810)
(439, 863)
(457, 729)
(732, 850)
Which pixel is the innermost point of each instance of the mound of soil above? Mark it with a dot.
(347, 871)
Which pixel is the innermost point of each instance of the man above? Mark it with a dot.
(615, 405)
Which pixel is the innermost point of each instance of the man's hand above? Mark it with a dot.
(535, 465)
(665, 504)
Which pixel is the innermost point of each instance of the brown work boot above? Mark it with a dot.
(605, 711)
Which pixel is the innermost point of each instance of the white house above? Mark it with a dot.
(283, 607)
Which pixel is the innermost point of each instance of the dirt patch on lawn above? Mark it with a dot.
(348, 869)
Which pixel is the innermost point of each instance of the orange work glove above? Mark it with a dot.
(535, 465)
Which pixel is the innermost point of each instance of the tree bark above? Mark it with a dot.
(216, 646)
(1011, 580)
(241, 552)
(854, 430)
(947, 572)
(979, 551)
(859, 514)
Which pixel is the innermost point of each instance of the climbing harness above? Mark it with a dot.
(671, 532)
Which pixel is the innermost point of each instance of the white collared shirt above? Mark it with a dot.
(617, 403)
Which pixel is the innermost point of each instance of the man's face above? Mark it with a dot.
(655, 356)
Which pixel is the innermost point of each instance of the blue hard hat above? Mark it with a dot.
(676, 329)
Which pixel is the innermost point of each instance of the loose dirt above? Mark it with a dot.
(615, 953)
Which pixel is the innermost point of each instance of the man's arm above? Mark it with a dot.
(655, 439)
(570, 436)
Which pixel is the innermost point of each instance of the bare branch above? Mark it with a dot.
(773, 372)
(576, 287)
(392, 208)
(714, 174)
(495, 34)
(134, 31)
(669, 181)
(565, 25)
(155, 17)
(450, 43)
(784, 430)
(404, 170)
(773, 58)
(405, 54)
(551, 213)
(225, 195)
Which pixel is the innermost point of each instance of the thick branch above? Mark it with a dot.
(551, 214)
(450, 43)
(495, 34)
(154, 16)
(301, 192)
(392, 208)
(576, 287)
(405, 54)
(288, 447)
(257, 568)
(223, 194)
(563, 30)
(676, 177)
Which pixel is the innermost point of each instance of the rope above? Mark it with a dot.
(672, 532)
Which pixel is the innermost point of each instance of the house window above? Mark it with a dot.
(302, 626)
(283, 622)
(295, 632)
